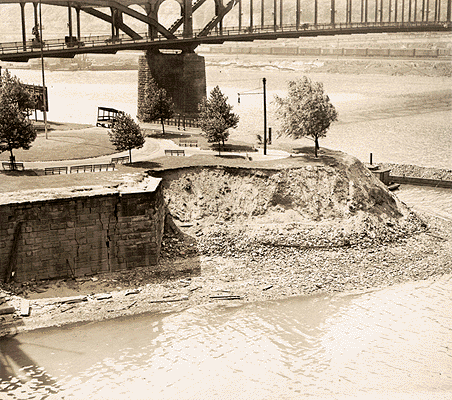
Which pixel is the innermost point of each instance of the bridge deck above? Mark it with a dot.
(18, 51)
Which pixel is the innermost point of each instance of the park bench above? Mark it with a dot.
(103, 167)
(120, 160)
(188, 143)
(55, 170)
(174, 152)
(15, 166)
(81, 168)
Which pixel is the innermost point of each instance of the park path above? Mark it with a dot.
(153, 148)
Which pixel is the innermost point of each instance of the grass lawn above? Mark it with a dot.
(84, 142)
(65, 145)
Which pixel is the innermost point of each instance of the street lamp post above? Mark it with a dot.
(264, 81)
(264, 92)
(44, 98)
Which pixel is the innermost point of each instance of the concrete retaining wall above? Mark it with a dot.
(420, 181)
(349, 52)
(81, 235)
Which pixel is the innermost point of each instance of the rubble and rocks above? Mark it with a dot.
(253, 240)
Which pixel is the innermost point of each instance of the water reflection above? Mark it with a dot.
(392, 342)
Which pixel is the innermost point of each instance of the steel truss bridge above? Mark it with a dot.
(289, 19)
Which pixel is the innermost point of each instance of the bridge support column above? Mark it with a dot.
(183, 76)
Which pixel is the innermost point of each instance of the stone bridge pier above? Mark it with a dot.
(182, 75)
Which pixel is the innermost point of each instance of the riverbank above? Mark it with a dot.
(262, 274)
(222, 262)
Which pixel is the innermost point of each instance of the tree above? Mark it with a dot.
(306, 111)
(216, 117)
(16, 131)
(157, 105)
(126, 134)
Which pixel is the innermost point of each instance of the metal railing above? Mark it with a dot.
(89, 42)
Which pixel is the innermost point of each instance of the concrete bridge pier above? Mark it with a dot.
(182, 75)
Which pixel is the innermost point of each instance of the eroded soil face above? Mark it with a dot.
(306, 207)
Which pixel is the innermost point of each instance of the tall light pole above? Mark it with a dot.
(264, 81)
(44, 98)
(264, 92)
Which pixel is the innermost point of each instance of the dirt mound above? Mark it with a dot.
(231, 209)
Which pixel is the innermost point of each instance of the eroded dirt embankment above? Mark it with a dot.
(257, 234)
(312, 206)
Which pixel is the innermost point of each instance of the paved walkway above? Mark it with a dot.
(153, 148)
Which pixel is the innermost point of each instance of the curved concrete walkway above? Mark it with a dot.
(153, 148)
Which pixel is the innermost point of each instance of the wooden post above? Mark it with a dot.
(376, 10)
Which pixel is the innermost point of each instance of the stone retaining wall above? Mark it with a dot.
(82, 235)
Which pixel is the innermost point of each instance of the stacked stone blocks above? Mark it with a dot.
(72, 237)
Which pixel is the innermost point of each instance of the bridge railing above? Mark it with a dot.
(106, 40)
(259, 29)
(85, 41)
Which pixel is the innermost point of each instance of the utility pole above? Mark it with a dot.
(44, 98)
(264, 81)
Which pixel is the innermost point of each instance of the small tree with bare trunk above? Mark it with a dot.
(16, 131)
(126, 134)
(216, 117)
(157, 105)
(306, 111)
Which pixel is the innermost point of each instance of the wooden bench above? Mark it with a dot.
(55, 170)
(120, 160)
(174, 152)
(81, 168)
(188, 143)
(103, 167)
(11, 166)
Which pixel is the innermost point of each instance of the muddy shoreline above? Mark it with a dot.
(258, 275)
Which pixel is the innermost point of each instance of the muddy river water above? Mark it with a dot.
(390, 343)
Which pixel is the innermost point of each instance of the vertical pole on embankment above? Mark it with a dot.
(265, 116)
(44, 95)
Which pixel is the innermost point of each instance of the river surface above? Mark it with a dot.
(400, 119)
(391, 343)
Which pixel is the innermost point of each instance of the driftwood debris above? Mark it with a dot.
(132, 291)
(7, 310)
(226, 297)
(103, 296)
(267, 287)
(169, 300)
(72, 300)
